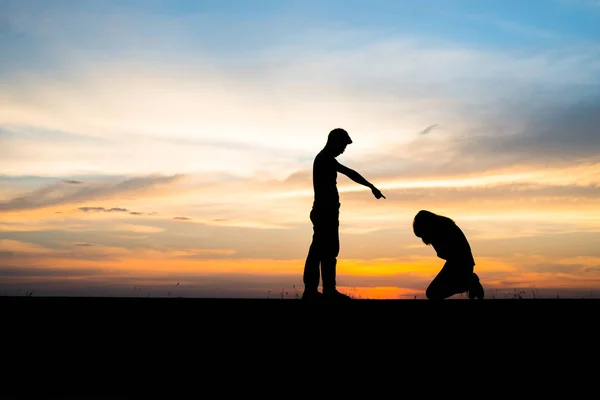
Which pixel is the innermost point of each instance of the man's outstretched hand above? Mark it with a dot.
(377, 193)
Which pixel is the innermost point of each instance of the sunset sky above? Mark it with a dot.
(164, 148)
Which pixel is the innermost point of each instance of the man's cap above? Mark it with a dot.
(339, 135)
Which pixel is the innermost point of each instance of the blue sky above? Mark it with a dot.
(210, 112)
(236, 25)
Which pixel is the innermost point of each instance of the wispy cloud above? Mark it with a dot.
(102, 209)
(428, 129)
(8, 245)
(138, 228)
(59, 194)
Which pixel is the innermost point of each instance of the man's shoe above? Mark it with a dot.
(475, 290)
(312, 295)
(335, 296)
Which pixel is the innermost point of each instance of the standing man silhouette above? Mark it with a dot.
(324, 215)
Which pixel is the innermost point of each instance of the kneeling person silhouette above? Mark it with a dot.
(450, 243)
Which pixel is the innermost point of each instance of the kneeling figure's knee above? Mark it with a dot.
(433, 294)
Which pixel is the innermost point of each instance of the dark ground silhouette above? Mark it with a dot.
(87, 347)
(325, 246)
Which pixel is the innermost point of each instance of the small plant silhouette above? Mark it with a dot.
(518, 294)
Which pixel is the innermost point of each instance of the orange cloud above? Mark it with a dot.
(137, 228)
(23, 247)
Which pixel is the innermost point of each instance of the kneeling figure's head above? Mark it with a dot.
(424, 225)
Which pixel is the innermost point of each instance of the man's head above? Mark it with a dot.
(337, 141)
